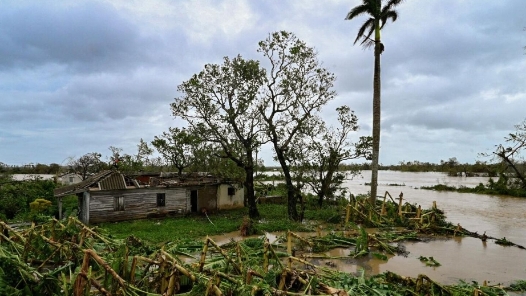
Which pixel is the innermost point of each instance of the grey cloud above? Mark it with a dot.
(452, 71)
(86, 37)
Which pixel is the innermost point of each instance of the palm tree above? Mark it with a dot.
(378, 16)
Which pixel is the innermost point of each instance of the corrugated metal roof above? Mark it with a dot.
(113, 181)
(82, 186)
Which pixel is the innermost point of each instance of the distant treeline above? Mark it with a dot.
(451, 166)
(38, 168)
(499, 187)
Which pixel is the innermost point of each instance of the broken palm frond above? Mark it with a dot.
(518, 286)
(290, 235)
(331, 241)
(429, 261)
(362, 244)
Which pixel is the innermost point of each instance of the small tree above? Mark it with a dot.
(318, 164)
(87, 164)
(130, 163)
(219, 104)
(295, 88)
(511, 155)
(177, 147)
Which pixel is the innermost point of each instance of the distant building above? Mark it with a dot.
(28, 177)
(70, 178)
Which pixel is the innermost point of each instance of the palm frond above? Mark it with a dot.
(376, 12)
(358, 10)
(391, 14)
(392, 3)
(368, 25)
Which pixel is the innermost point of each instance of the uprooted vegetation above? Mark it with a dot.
(70, 258)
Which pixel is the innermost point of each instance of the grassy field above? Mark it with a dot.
(197, 227)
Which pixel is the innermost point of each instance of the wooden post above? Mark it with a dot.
(434, 208)
(265, 255)
(348, 214)
(162, 272)
(171, 283)
(400, 198)
(383, 212)
(60, 208)
(203, 254)
(282, 279)
(239, 259)
(289, 243)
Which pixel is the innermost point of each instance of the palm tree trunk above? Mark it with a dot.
(376, 121)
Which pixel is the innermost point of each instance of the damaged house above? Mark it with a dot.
(112, 196)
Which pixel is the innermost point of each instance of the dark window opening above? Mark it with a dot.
(231, 191)
(118, 203)
(193, 201)
(161, 199)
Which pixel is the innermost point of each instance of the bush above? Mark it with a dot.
(16, 196)
(39, 205)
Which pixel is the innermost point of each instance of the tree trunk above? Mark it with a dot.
(376, 121)
(320, 198)
(291, 196)
(518, 174)
(253, 212)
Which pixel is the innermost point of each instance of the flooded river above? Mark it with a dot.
(461, 258)
(499, 216)
(465, 258)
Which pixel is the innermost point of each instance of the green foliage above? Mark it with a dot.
(87, 164)
(69, 206)
(296, 88)
(16, 196)
(178, 147)
(504, 242)
(39, 205)
(362, 244)
(317, 163)
(518, 286)
(429, 261)
(130, 163)
(273, 218)
(280, 189)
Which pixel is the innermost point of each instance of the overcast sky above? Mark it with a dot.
(80, 76)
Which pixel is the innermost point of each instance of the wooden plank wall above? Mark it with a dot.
(138, 204)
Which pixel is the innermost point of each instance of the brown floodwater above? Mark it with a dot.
(499, 216)
(466, 258)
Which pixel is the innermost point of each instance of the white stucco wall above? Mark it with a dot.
(225, 201)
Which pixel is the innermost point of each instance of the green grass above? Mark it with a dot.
(197, 227)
